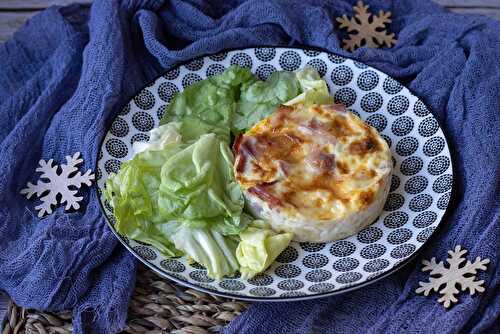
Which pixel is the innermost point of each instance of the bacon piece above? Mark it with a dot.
(284, 167)
(249, 147)
(240, 163)
(246, 148)
(261, 192)
(321, 162)
(237, 143)
(241, 153)
(315, 124)
(315, 128)
(336, 128)
(306, 129)
(335, 107)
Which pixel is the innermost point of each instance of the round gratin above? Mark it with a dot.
(319, 172)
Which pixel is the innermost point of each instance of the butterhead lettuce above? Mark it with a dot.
(159, 138)
(259, 247)
(210, 103)
(235, 100)
(314, 89)
(198, 187)
(208, 247)
(133, 194)
(259, 99)
(181, 197)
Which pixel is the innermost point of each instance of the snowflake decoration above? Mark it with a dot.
(369, 32)
(464, 276)
(65, 184)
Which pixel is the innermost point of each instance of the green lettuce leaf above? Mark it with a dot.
(159, 138)
(314, 89)
(133, 194)
(210, 103)
(235, 100)
(259, 247)
(169, 180)
(259, 99)
(208, 247)
(198, 186)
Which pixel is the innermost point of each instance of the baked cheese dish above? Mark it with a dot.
(319, 172)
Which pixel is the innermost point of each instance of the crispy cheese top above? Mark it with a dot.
(320, 162)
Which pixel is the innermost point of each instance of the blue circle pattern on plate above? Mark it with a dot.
(420, 186)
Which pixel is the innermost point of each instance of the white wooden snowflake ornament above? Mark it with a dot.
(464, 276)
(65, 184)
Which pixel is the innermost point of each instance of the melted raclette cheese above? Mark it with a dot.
(319, 162)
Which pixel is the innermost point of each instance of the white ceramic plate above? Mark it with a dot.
(420, 187)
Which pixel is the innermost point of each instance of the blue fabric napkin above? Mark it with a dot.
(69, 70)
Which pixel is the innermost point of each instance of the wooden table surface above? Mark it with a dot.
(13, 14)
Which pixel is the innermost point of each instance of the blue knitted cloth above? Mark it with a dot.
(66, 73)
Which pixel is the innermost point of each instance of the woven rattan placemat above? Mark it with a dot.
(157, 306)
